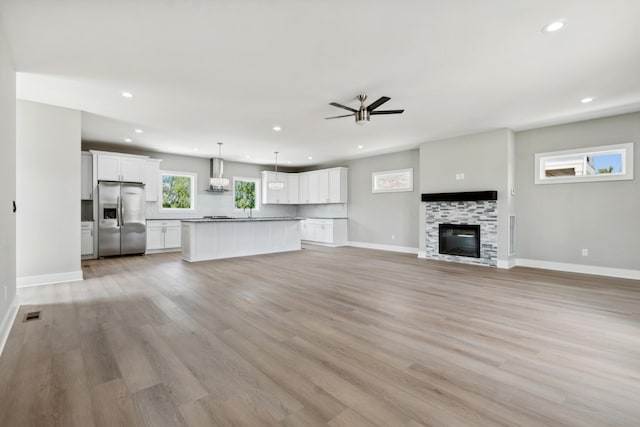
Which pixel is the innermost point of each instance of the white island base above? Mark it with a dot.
(215, 239)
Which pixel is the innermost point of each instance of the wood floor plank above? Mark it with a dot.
(323, 336)
(112, 405)
(156, 409)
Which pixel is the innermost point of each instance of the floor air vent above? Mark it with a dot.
(33, 315)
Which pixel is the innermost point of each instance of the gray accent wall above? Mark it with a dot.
(383, 218)
(483, 158)
(556, 221)
(7, 186)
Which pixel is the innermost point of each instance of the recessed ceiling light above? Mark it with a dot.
(196, 149)
(277, 128)
(127, 140)
(587, 100)
(554, 26)
(360, 147)
(248, 156)
(310, 158)
(126, 94)
(138, 131)
(289, 162)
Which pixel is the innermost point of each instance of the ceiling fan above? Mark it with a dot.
(363, 114)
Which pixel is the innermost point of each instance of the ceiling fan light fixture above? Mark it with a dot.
(363, 116)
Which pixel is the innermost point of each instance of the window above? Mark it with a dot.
(246, 194)
(606, 163)
(178, 191)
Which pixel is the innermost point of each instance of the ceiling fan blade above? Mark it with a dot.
(335, 104)
(378, 103)
(337, 117)
(387, 112)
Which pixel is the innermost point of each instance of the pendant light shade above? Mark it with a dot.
(277, 184)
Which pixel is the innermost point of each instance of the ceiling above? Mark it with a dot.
(208, 71)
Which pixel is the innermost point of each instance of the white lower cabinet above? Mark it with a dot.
(163, 235)
(86, 238)
(322, 230)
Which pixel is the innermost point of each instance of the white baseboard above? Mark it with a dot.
(47, 279)
(7, 322)
(580, 268)
(510, 263)
(392, 248)
(422, 254)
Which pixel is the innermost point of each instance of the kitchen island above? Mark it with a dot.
(214, 238)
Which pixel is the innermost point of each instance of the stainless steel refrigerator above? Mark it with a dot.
(122, 227)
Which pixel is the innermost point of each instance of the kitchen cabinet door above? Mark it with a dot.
(306, 231)
(292, 189)
(108, 168)
(303, 188)
(323, 186)
(86, 241)
(338, 185)
(155, 238)
(313, 187)
(131, 169)
(152, 180)
(86, 176)
(172, 237)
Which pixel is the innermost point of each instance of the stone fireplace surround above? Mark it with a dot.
(478, 208)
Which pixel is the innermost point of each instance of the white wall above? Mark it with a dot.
(7, 189)
(484, 160)
(556, 221)
(48, 193)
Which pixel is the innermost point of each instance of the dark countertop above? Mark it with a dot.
(243, 219)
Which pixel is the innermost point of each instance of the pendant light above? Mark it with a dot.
(217, 168)
(277, 184)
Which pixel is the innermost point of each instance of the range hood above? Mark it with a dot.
(216, 181)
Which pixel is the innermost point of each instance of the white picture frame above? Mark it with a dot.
(393, 181)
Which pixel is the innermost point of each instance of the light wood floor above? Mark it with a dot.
(338, 337)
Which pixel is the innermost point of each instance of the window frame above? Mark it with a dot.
(258, 197)
(626, 150)
(194, 192)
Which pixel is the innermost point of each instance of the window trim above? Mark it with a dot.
(194, 193)
(627, 164)
(258, 195)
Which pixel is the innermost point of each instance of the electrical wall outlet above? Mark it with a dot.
(459, 176)
(585, 252)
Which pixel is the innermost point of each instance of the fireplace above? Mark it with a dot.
(459, 240)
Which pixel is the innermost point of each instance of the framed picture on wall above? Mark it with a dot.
(392, 181)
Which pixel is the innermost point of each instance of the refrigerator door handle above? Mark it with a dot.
(122, 211)
(118, 211)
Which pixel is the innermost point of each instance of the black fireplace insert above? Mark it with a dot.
(460, 239)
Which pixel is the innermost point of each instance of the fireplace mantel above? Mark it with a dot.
(463, 196)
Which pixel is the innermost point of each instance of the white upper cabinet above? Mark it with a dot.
(117, 167)
(292, 188)
(315, 187)
(322, 193)
(303, 188)
(86, 176)
(152, 179)
(338, 185)
(131, 169)
(108, 168)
